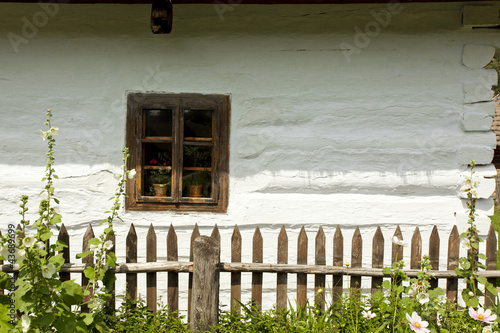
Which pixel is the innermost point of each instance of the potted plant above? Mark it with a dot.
(195, 182)
(160, 178)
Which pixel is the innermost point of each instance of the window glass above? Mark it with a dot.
(158, 123)
(197, 123)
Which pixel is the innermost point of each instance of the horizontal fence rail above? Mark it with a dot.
(204, 266)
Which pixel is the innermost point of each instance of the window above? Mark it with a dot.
(179, 146)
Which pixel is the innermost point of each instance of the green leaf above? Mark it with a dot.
(88, 318)
(84, 254)
(482, 280)
(57, 260)
(491, 288)
(111, 259)
(387, 270)
(109, 279)
(89, 272)
(481, 256)
(386, 284)
(71, 292)
(56, 201)
(56, 219)
(46, 235)
(94, 241)
(66, 323)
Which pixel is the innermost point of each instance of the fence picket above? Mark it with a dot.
(131, 257)
(236, 276)
(338, 261)
(215, 233)
(377, 258)
(151, 248)
(195, 234)
(302, 260)
(282, 278)
(356, 257)
(491, 263)
(397, 250)
(89, 234)
(453, 256)
(434, 244)
(257, 257)
(110, 304)
(416, 249)
(172, 277)
(320, 259)
(64, 237)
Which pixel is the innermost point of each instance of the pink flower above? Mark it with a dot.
(482, 315)
(417, 324)
(153, 161)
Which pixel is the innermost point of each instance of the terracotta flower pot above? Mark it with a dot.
(160, 190)
(195, 191)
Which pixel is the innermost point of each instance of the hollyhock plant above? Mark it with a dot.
(417, 324)
(482, 315)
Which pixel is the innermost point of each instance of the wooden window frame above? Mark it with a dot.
(220, 105)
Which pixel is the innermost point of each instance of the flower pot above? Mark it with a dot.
(160, 190)
(195, 191)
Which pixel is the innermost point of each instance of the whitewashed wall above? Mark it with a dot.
(353, 115)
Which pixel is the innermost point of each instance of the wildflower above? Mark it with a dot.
(368, 314)
(25, 322)
(93, 247)
(424, 298)
(417, 324)
(5, 252)
(20, 254)
(56, 210)
(117, 176)
(40, 246)
(482, 315)
(54, 130)
(48, 270)
(153, 161)
(131, 174)
(398, 241)
(487, 329)
(466, 244)
(108, 245)
(28, 241)
(44, 134)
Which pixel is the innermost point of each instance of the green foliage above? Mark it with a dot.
(135, 316)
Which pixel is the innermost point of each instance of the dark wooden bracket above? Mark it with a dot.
(161, 17)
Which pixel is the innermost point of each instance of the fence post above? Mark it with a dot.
(205, 292)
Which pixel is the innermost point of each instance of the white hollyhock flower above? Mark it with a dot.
(28, 241)
(131, 174)
(44, 134)
(466, 244)
(93, 247)
(48, 270)
(20, 254)
(25, 322)
(40, 246)
(117, 176)
(54, 130)
(108, 245)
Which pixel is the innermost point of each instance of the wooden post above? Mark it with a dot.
(434, 254)
(195, 234)
(416, 250)
(205, 293)
(320, 259)
(89, 234)
(302, 260)
(491, 264)
(338, 260)
(356, 257)
(257, 257)
(173, 277)
(236, 276)
(282, 278)
(151, 277)
(377, 258)
(131, 257)
(64, 237)
(453, 257)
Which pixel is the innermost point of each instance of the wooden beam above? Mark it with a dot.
(232, 2)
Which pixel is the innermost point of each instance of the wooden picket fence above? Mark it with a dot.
(204, 266)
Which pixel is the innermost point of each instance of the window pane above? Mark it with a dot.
(197, 123)
(197, 156)
(158, 122)
(158, 182)
(158, 168)
(197, 184)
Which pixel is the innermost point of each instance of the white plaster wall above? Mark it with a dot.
(327, 126)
